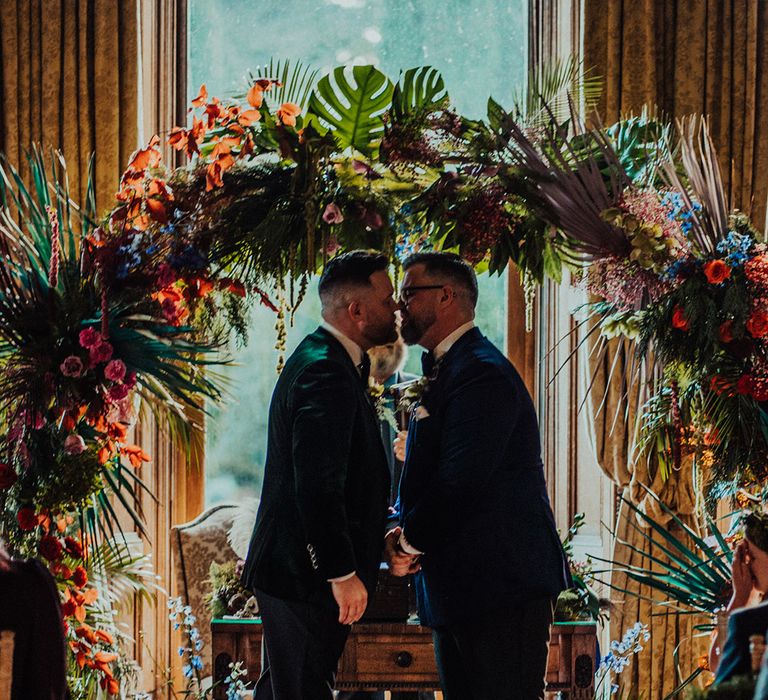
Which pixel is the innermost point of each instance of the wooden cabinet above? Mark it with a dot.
(399, 656)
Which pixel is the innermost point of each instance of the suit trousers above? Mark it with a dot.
(303, 642)
(500, 654)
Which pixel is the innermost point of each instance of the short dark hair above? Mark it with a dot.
(448, 266)
(350, 269)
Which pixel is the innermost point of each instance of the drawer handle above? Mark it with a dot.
(404, 659)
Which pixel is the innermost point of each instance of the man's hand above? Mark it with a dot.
(352, 599)
(741, 576)
(400, 563)
(398, 445)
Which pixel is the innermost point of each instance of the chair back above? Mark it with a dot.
(195, 546)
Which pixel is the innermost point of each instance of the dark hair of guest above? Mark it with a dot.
(350, 269)
(447, 267)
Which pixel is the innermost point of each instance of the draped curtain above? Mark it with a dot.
(682, 56)
(69, 79)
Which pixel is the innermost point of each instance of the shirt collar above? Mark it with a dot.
(446, 343)
(354, 351)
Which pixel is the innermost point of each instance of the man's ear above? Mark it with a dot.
(355, 310)
(447, 296)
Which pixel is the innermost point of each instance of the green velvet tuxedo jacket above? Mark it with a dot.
(326, 482)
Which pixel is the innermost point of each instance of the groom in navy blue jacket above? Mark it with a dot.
(474, 516)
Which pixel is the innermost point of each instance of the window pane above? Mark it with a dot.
(479, 46)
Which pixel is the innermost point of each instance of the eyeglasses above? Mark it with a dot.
(406, 293)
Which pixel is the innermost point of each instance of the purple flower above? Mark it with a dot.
(72, 366)
(332, 214)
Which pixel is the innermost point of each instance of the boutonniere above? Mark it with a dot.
(381, 399)
(411, 396)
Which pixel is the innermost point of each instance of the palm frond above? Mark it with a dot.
(551, 88)
(703, 194)
(296, 81)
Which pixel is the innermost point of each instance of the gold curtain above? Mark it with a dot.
(683, 56)
(69, 78)
(691, 56)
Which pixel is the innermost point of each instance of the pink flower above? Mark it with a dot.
(130, 379)
(72, 366)
(332, 214)
(89, 337)
(100, 353)
(117, 392)
(115, 370)
(332, 246)
(74, 444)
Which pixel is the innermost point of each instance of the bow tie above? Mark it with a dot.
(365, 369)
(428, 363)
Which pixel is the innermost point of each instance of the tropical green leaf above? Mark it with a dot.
(353, 109)
(419, 89)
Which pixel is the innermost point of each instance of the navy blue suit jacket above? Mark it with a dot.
(742, 624)
(472, 496)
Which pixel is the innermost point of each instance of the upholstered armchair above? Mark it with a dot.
(196, 545)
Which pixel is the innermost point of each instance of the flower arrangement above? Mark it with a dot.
(228, 596)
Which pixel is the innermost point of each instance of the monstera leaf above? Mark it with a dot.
(352, 110)
(419, 89)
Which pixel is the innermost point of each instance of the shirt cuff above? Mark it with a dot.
(406, 547)
(340, 579)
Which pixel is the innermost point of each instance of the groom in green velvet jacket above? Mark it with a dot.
(315, 551)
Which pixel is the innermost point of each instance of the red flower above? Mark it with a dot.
(68, 608)
(719, 385)
(100, 353)
(50, 548)
(744, 385)
(89, 337)
(26, 518)
(726, 331)
(73, 547)
(679, 320)
(7, 476)
(80, 577)
(717, 271)
(757, 324)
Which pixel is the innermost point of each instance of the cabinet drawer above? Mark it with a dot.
(389, 656)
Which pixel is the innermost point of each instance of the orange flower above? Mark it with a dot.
(679, 320)
(201, 98)
(249, 117)
(703, 662)
(213, 177)
(85, 632)
(255, 95)
(717, 271)
(135, 454)
(287, 113)
(144, 158)
(103, 636)
(178, 138)
(757, 324)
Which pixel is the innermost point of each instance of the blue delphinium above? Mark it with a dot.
(182, 618)
(618, 658)
(735, 247)
(678, 210)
